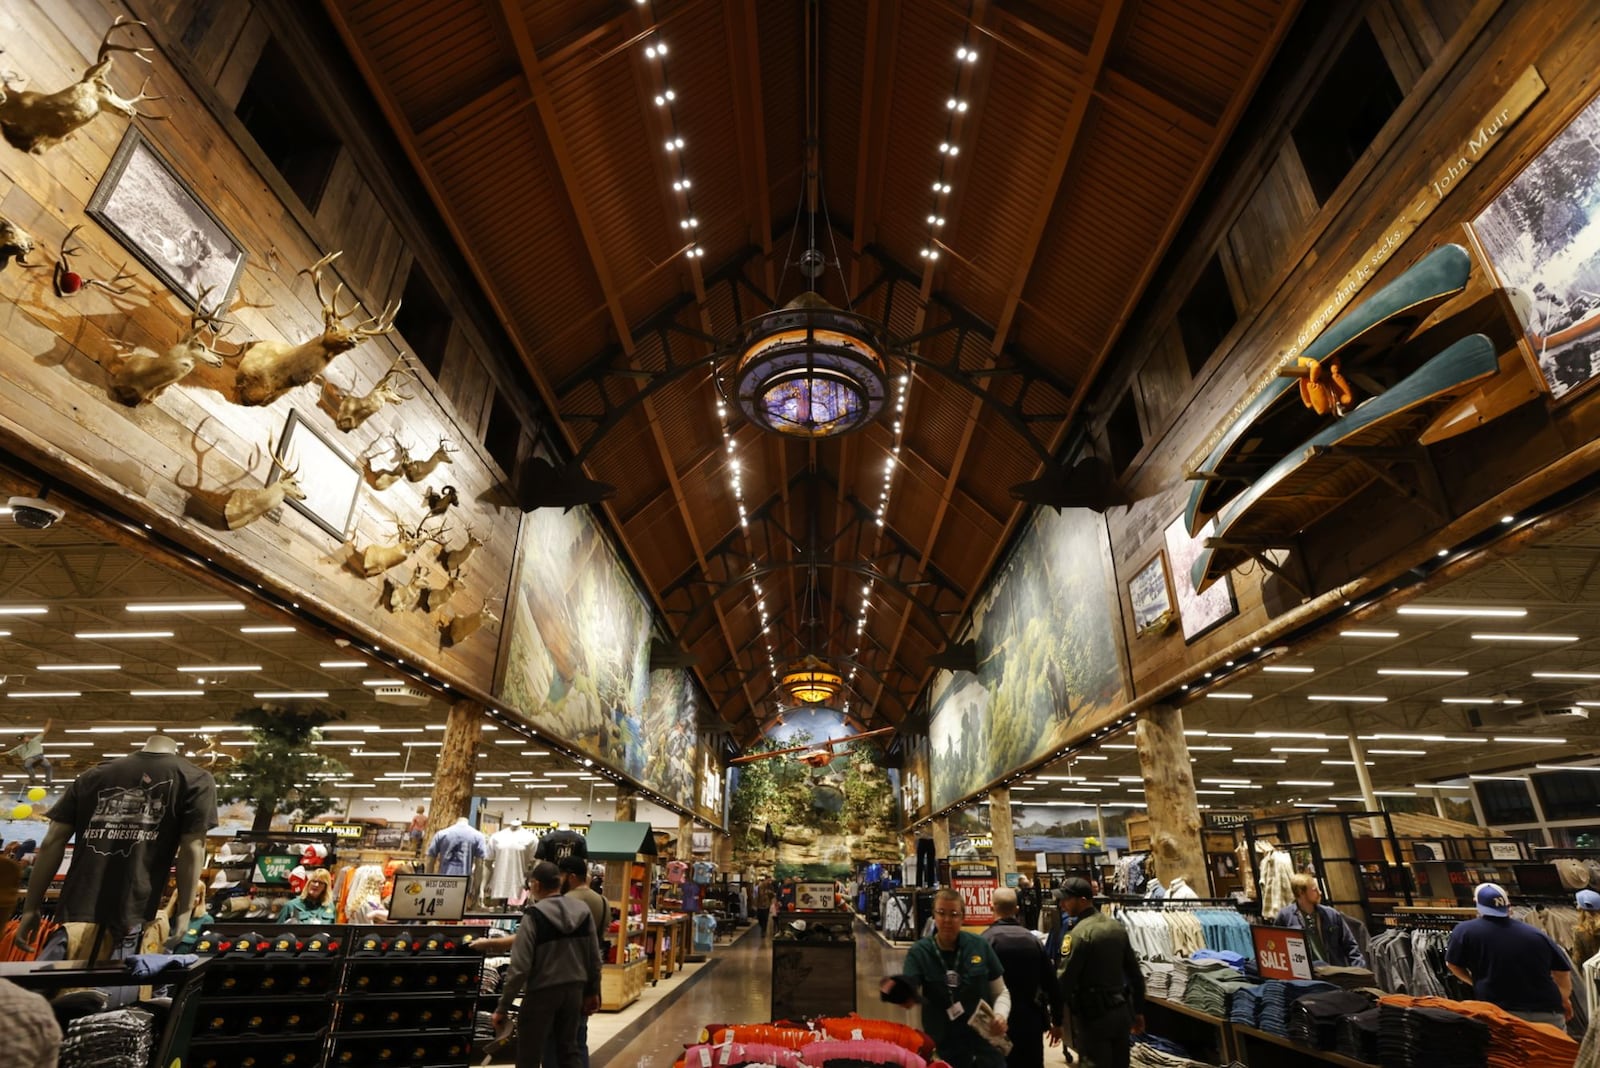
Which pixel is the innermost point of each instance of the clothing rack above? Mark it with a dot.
(1176, 903)
(1440, 919)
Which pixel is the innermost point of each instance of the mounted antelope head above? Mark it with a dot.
(452, 559)
(381, 478)
(33, 122)
(374, 560)
(405, 596)
(417, 470)
(15, 244)
(245, 506)
(269, 369)
(458, 629)
(350, 410)
(142, 375)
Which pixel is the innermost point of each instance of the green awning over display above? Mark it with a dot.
(620, 841)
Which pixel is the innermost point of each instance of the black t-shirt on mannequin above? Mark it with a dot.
(557, 846)
(127, 816)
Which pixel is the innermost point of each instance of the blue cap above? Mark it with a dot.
(1492, 900)
(1588, 901)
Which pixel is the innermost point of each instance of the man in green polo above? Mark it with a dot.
(1101, 985)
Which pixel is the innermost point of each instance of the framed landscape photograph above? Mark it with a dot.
(1198, 612)
(329, 477)
(144, 204)
(1541, 237)
(1150, 595)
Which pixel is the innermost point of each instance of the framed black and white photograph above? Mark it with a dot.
(1541, 237)
(143, 203)
(1150, 595)
(330, 478)
(1198, 612)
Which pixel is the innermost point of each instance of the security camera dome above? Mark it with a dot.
(34, 513)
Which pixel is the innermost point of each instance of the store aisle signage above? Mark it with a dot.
(343, 830)
(435, 898)
(1281, 953)
(976, 884)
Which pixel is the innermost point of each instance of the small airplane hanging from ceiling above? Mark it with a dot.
(817, 756)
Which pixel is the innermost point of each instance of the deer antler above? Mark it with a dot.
(331, 315)
(106, 47)
(277, 461)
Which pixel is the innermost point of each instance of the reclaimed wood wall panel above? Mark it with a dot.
(54, 407)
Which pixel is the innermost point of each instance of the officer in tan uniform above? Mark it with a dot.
(1101, 985)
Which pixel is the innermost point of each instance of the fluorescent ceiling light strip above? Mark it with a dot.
(121, 635)
(1211, 749)
(382, 682)
(1297, 749)
(22, 610)
(197, 669)
(1369, 634)
(331, 664)
(1509, 740)
(110, 730)
(1498, 778)
(1551, 638)
(1590, 675)
(1431, 673)
(1230, 696)
(1312, 804)
(1468, 701)
(188, 606)
(1305, 782)
(266, 629)
(1286, 669)
(1567, 767)
(1394, 793)
(19, 694)
(1260, 760)
(1398, 752)
(167, 693)
(288, 695)
(77, 667)
(362, 727)
(1460, 610)
(1349, 763)
(1350, 698)
(1120, 745)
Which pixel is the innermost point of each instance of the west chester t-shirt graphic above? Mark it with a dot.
(125, 816)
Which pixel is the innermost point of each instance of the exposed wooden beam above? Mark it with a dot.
(744, 62)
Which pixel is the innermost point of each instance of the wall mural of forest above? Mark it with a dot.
(1057, 828)
(1046, 631)
(822, 820)
(578, 655)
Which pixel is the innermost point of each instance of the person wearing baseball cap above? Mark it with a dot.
(1510, 963)
(1101, 985)
(1586, 935)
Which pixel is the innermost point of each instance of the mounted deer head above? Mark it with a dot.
(33, 122)
(436, 597)
(405, 596)
(417, 470)
(15, 244)
(374, 560)
(350, 411)
(270, 369)
(381, 478)
(69, 282)
(458, 629)
(245, 506)
(142, 375)
(452, 559)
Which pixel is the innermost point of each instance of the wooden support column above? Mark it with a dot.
(1358, 754)
(941, 838)
(685, 837)
(457, 766)
(627, 806)
(1169, 795)
(722, 850)
(1005, 842)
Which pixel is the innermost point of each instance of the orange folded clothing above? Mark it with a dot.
(1513, 1041)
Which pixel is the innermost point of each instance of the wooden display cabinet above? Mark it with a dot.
(622, 976)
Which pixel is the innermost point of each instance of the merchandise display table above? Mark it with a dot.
(172, 1045)
(1260, 1049)
(663, 940)
(1207, 1038)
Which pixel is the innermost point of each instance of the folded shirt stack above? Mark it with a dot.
(1145, 1055)
(121, 1037)
(1276, 997)
(1314, 1019)
(1357, 1035)
(1157, 977)
(1245, 1006)
(1344, 978)
(1427, 1038)
(1512, 1041)
(1209, 990)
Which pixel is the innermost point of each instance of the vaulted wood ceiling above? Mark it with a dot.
(1085, 129)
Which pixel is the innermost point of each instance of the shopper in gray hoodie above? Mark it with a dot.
(555, 956)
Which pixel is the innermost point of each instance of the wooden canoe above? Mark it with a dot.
(1327, 470)
(1275, 421)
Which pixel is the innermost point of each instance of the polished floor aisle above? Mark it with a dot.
(737, 989)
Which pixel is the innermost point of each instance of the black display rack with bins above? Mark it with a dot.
(315, 996)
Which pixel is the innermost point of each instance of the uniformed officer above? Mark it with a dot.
(1101, 985)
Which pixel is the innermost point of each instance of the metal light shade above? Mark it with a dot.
(813, 684)
(810, 370)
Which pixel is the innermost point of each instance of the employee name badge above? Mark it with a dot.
(955, 1011)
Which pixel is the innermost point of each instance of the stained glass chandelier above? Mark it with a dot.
(810, 370)
(813, 683)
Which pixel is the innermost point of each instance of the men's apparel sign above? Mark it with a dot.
(436, 898)
(976, 884)
(1281, 953)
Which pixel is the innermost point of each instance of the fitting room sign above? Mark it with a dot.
(976, 885)
(435, 898)
(1281, 953)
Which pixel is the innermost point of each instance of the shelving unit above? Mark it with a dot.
(1364, 875)
(628, 852)
(813, 976)
(172, 1042)
(1260, 1049)
(1207, 1038)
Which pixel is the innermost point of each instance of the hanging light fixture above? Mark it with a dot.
(813, 682)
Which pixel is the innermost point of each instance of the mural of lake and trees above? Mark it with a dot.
(577, 660)
(1047, 658)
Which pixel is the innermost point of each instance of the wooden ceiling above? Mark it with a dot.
(1084, 129)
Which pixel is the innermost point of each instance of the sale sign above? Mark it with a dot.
(1281, 953)
(976, 884)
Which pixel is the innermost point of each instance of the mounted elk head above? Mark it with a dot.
(374, 560)
(15, 244)
(350, 410)
(417, 470)
(245, 506)
(269, 369)
(142, 375)
(381, 478)
(33, 122)
(69, 282)
(458, 629)
(452, 559)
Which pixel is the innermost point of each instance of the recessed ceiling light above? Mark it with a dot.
(1460, 610)
(188, 606)
(1432, 673)
(195, 669)
(77, 667)
(288, 695)
(266, 630)
(121, 635)
(1347, 697)
(1551, 638)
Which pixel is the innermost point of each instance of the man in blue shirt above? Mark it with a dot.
(1510, 963)
(1327, 935)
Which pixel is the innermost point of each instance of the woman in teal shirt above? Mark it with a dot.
(314, 905)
